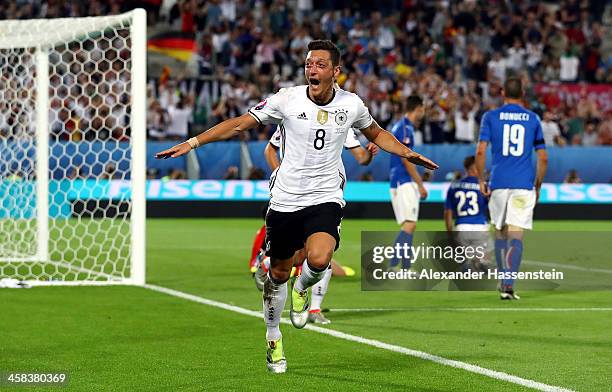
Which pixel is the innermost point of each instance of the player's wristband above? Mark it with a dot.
(193, 143)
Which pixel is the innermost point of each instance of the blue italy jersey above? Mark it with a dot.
(403, 130)
(467, 203)
(514, 132)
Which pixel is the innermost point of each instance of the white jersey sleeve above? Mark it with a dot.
(363, 118)
(270, 110)
(350, 142)
(310, 137)
(275, 140)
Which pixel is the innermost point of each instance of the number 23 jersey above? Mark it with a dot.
(312, 137)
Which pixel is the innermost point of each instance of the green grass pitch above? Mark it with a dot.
(121, 338)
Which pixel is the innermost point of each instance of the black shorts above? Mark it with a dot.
(286, 232)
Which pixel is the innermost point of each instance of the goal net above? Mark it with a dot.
(72, 149)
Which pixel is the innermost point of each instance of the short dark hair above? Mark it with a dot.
(413, 102)
(513, 88)
(325, 44)
(469, 161)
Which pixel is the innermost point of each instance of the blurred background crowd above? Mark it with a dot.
(456, 55)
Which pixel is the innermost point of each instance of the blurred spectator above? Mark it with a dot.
(586, 107)
(367, 176)
(187, 10)
(557, 41)
(256, 174)
(177, 174)
(569, 66)
(493, 97)
(152, 173)
(157, 121)
(213, 13)
(534, 51)
(590, 137)
(304, 9)
(516, 55)
(224, 109)
(110, 172)
(264, 58)
(572, 177)
(497, 67)
(232, 173)
(465, 121)
(76, 173)
(551, 130)
(575, 126)
(180, 117)
(605, 130)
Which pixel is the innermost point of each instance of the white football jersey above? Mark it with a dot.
(311, 141)
(350, 142)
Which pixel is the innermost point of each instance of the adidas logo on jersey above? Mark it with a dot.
(302, 116)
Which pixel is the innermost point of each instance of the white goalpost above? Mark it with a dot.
(73, 150)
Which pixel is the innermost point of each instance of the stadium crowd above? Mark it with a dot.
(454, 54)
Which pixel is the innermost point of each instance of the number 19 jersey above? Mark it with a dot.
(514, 132)
(312, 137)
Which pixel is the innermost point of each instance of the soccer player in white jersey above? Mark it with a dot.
(363, 156)
(307, 189)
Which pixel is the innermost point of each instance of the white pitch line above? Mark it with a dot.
(371, 342)
(358, 310)
(562, 266)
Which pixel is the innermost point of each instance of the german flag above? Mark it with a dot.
(178, 45)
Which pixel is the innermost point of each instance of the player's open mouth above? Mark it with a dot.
(314, 82)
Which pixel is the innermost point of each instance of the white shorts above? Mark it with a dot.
(473, 235)
(512, 207)
(405, 200)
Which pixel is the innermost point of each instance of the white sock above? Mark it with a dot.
(274, 298)
(319, 290)
(308, 277)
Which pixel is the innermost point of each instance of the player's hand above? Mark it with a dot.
(372, 148)
(422, 192)
(174, 152)
(537, 194)
(420, 160)
(484, 189)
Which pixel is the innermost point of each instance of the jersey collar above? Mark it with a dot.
(322, 104)
(407, 121)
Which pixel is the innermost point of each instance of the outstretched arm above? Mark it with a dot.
(385, 140)
(222, 131)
